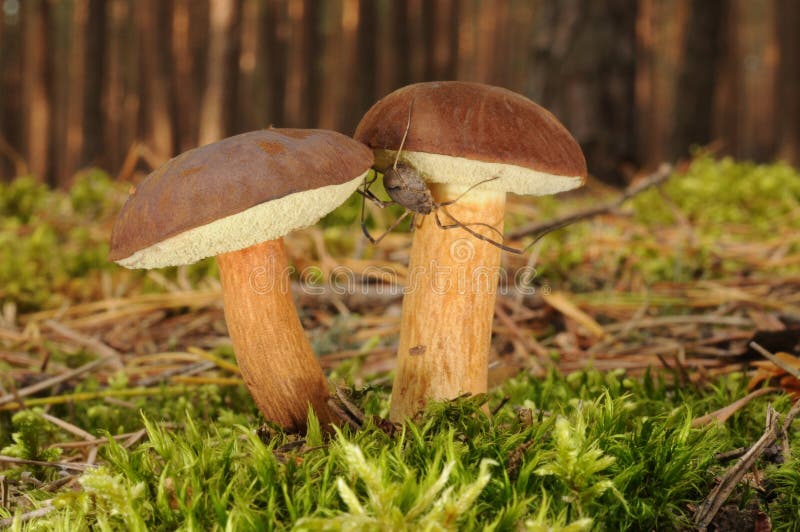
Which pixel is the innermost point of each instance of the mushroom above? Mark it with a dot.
(461, 135)
(236, 199)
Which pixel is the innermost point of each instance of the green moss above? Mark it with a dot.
(50, 239)
(21, 198)
(713, 195)
(682, 232)
(600, 450)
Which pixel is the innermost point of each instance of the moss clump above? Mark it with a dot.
(592, 450)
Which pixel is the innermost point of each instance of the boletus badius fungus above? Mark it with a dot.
(235, 199)
(461, 135)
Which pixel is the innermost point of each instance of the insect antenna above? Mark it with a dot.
(405, 134)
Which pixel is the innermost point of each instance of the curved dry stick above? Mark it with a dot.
(540, 229)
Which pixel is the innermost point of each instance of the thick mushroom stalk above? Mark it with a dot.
(459, 134)
(446, 324)
(275, 357)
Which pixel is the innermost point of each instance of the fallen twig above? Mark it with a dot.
(27, 516)
(708, 509)
(52, 381)
(63, 465)
(165, 376)
(500, 405)
(102, 394)
(105, 440)
(113, 356)
(76, 431)
(689, 319)
(775, 360)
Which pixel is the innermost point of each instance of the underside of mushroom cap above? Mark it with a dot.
(234, 193)
(464, 133)
(436, 168)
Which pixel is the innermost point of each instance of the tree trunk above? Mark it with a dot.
(788, 22)
(12, 163)
(275, 36)
(312, 51)
(296, 71)
(69, 88)
(582, 69)
(347, 96)
(728, 92)
(440, 35)
(36, 86)
(95, 61)
(453, 26)
(120, 108)
(330, 65)
(156, 132)
(367, 57)
(401, 43)
(698, 74)
(184, 90)
(222, 71)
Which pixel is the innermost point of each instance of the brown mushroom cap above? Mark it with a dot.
(464, 133)
(234, 193)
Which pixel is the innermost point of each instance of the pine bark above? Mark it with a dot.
(366, 71)
(12, 163)
(582, 69)
(36, 84)
(156, 128)
(275, 37)
(221, 72)
(788, 97)
(95, 62)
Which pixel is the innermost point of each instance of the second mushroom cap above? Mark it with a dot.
(236, 192)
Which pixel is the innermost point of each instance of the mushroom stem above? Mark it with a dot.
(275, 357)
(446, 324)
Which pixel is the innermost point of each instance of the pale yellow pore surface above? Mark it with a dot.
(446, 323)
(436, 168)
(266, 221)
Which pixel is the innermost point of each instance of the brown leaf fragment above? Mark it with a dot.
(778, 365)
(723, 414)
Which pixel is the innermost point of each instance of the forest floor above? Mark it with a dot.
(644, 376)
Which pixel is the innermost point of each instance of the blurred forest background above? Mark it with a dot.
(99, 82)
